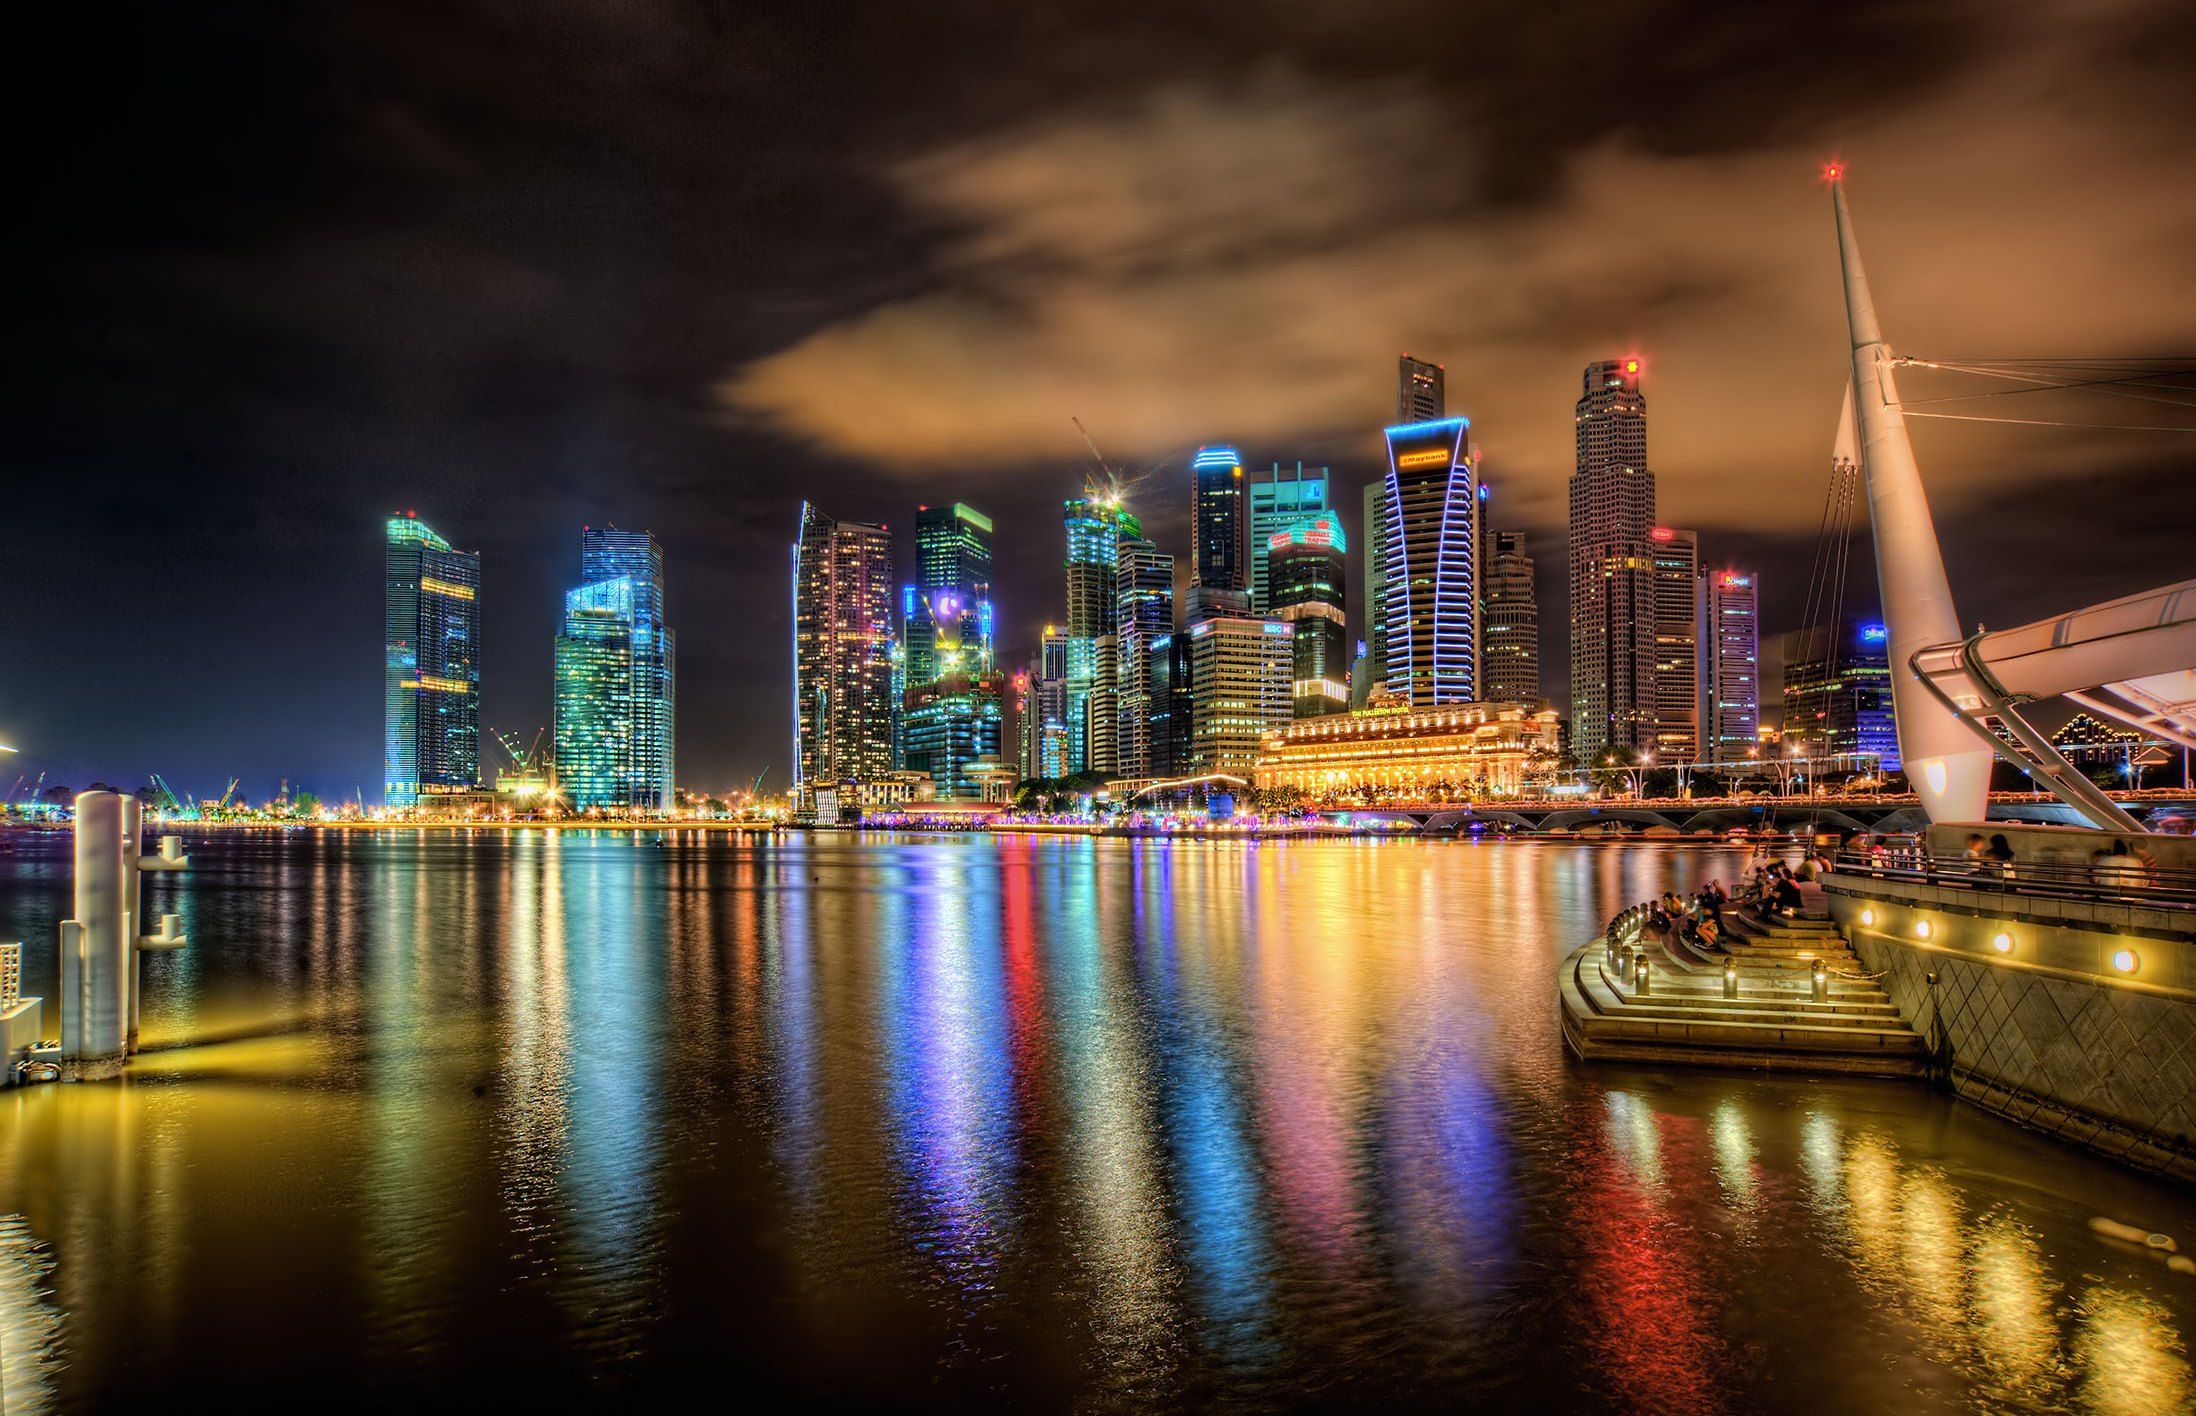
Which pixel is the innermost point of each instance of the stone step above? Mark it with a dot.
(1754, 992)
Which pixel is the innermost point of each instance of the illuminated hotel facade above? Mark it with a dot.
(1430, 610)
(431, 678)
(1402, 753)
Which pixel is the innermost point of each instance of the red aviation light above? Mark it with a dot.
(1833, 170)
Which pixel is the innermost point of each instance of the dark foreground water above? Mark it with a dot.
(540, 1120)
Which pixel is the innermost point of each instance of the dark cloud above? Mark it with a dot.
(283, 269)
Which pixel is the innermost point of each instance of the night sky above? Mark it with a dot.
(280, 271)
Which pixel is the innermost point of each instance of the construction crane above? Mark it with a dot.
(1116, 485)
(223, 804)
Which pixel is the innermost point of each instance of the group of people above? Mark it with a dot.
(1774, 887)
(1697, 921)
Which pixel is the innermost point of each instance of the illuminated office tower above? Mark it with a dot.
(1280, 497)
(1240, 671)
(1310, 567)
(431, 678)
(1509, 631)
(1676, 558)
(1612, 512)
(1094, 525)
(1419, 395)
(1368, 672)
(1837, 691)
(1730, 665)
(953, 583)
(621, 572)
(592, 707)
(1431, 546)
(950, 722)
(1144, 615)
(1219, 519)
(842, 653)
(1169, 723)
(1050, 690)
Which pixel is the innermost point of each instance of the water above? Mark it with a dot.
(1049, 1122)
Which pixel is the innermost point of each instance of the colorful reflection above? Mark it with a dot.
(1027, 1121)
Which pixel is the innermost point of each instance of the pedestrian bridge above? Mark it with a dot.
(1893, 815)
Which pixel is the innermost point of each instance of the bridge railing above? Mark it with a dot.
(2113, 880)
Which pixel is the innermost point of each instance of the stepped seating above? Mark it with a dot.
(1773, 1024)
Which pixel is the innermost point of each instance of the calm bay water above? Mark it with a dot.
(535, 1118)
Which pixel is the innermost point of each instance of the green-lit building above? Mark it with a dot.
(431, 678)
(615, 679)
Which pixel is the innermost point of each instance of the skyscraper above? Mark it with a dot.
(615, 742)
(1431, 548)
(1419, 396)
(431, 665)
(1612, 566)
(1239, 676)
(1144, 614)
(1279, 498)
(1094, 526)
(1676, 556)
(953, 583)
(1837, 691)
(1509, 639)
(1730, 665)
(1373, 669)
(842, 647)
(1309, 570)
(1219, 519)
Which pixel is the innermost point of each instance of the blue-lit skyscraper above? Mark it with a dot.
(1837, 691)
(615, 678)
(1431, 550)
(431, 678)
(1219, 519)
(1309, 571)
(1094, 526)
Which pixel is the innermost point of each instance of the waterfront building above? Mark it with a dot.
(1419, 391)
(1144, 615)
(1612, 513)
(1509, 636)
(1309, 570)
(1676, 558)
(1395, 751)
(1837, 691)
(1094, 525)
(431, 673)
(1168, 722)
(615, 660)
(1240, 669)
(951, 723)
(1730, 665)
(2087, 737)
(1372, 668)
(842, 653)
(1280, 497)
(1051, 690)
(1431, 546)
(1219, 519)
(952, 592)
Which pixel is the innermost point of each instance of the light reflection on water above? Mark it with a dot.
(1108, 1122)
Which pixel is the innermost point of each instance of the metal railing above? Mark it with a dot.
(2122, 880)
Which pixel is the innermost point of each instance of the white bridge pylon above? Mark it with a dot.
(2139, 650)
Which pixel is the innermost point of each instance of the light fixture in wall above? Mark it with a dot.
(1921, 929)
(1868, 917)
(2125, 961)
(2002, 942)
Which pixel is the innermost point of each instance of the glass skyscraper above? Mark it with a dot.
(1144, 595)
(1279, 499)
(1219, 519)
(1509, 638)
(431, 678)
(1730, 666)
(615, 703)
(1094, 526)
(1309, 569)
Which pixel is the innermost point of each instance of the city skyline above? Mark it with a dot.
(515, 377)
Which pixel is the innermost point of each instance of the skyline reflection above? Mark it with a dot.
(1033, 1117)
